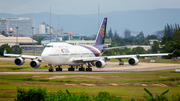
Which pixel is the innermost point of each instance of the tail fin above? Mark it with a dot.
(101, 34)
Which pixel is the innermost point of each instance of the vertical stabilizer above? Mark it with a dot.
(101, 34)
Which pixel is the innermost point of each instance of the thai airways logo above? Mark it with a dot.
(102, 31)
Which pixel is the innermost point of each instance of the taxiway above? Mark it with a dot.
(111, 67)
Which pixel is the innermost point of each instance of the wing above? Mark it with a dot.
(136, 55)
(110, 48)
(23, 56)
(89, 59)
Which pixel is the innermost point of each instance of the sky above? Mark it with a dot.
(82, 6)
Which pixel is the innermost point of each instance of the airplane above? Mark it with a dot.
(59, 54)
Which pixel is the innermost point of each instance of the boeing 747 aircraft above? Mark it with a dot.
(58, 54)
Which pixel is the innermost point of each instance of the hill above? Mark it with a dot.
(148, 21)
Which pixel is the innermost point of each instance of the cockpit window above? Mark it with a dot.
(49, 46)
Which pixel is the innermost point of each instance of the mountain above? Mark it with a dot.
(148, 21)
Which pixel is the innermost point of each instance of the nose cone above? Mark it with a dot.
(44, 56)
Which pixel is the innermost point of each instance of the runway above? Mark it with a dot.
(111, 67)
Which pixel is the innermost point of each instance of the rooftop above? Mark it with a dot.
(4, 39)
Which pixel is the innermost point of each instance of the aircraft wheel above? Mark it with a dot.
(88, 69)
(70, 69)
(121, 63)
(58, 69)
(81, 69)
(51, 70)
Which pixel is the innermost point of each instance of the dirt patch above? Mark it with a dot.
(6, 97)
(36, 76)
(69, 76)
(120, 84)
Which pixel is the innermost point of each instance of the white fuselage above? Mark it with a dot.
(63, 53)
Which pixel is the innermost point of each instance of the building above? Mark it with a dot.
(46, 41)
(24, 25)
(73, 41)
(151, 41)
(44, 29)
(146, 47)
(126, 34)
(26, 43)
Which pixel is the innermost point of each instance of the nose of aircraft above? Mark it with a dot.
(44, 56)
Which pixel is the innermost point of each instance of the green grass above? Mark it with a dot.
(130, 84)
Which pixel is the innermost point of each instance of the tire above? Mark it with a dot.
(51, 70)
(58, 69)
(81, 69)
(88, 69)
(70, 69)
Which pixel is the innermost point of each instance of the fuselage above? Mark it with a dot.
(64, 53)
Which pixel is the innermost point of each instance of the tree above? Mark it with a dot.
(138, 50)
(16, 49)
(5, 47)
(110, 34)
(116, 36)
(169, 47)
(166, 39)
(38, 39)
(177, 35)
(155, 47)
(151, 37)
(140, 35)
(172, 44)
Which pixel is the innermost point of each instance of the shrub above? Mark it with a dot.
(161, 97)
(39, 94)
(105, 96)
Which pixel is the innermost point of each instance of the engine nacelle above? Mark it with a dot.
(19, 61)
(35, 64)
(133, 61)
(100, 64)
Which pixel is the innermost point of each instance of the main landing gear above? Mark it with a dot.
(121, 62)
(59, 68)
(51, 68)
(82, 68)
(89, 67)
(72, 68)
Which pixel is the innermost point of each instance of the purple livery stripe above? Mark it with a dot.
(92, 49)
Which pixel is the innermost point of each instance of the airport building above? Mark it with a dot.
(46, 41)
(24, 42)
(44, 29)
(20, 25)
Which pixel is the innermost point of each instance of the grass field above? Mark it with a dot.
(126, 85)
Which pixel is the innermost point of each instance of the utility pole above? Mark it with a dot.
(17, 36)
(32, 41)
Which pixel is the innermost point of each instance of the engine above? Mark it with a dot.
(133, 61)
(35, 64)
(19, 61)
(100, 64)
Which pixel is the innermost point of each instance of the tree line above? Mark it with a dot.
(170, 41)
(11, 50)
(170, 29)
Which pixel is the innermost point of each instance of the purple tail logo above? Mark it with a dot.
(101, 34)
